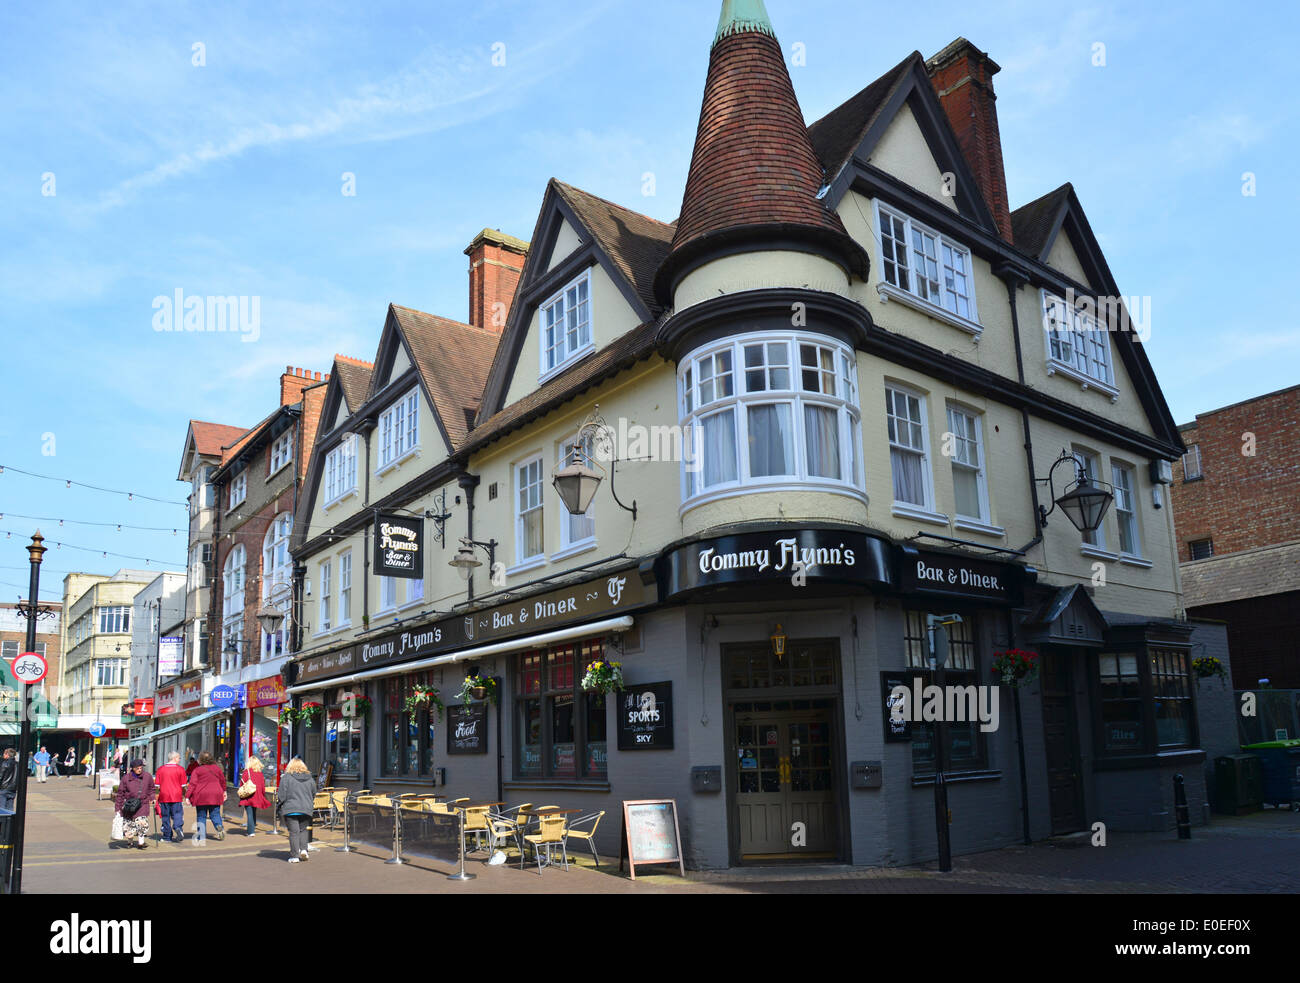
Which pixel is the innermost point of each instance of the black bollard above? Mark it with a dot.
(1181, 814)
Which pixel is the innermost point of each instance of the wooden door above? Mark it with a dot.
(1061, 743)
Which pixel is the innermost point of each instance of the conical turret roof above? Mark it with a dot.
(754, 179)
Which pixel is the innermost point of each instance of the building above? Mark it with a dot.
(1235, 494)
(13, 642)
(157, 646)
(824, 408)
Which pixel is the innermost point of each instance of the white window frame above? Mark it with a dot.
(1130, 491)
(522, 560)
(910, 294)
(238, 489)
(326, 625)
(399, 431)
(1097, 548)
(565, 354)
(281, 451)
(1188, 475)
(387, 595)
(341, 471)
(414, 591)
(698, 402)
(984, 521)
(345, 589)
(1086, 338)
(570, 544)
(909, 510)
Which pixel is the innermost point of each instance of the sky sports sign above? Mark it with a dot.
(399, 546)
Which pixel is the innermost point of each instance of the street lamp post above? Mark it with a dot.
(938, 659)
(34, 553)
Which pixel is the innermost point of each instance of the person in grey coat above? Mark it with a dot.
(294, 798)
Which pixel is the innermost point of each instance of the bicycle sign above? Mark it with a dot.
(30, 668)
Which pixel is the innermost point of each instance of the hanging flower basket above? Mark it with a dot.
(361, 706)
(308, 713)
(1015, 667)
(478, 688)
(425, 696)
(1208, 665)
(603, 677)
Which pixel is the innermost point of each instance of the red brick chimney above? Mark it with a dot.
(495, 262)
(962, 75)
(294, 381)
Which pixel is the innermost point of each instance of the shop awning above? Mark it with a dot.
(146, 738)
(482, 651)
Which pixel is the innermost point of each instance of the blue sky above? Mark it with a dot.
(226, 179)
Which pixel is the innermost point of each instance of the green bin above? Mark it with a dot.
(1280, 764)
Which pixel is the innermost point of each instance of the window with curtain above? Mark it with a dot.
(771, 408)
(907, 451)
(345, 588)
(1122, 477)
(325, 623)
(529, 541)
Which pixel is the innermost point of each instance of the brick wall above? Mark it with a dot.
(496, 261)
(1243, 500)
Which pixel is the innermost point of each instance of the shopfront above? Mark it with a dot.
(263, 737)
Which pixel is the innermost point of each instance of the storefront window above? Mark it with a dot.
(408, 738)
(343, 745)
(1120, 694)
(964, 742)
(1145, 710)
(562, 730)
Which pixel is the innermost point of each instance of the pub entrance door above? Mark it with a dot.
(784, 752)
(1061, 743)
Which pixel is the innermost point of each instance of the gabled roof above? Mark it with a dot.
(452, 360)
(354, 379)
(837, 135)
(231, 451)
(1258, 572)
(1034, 226)
(206, 439)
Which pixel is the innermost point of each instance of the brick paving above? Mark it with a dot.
(68, 852)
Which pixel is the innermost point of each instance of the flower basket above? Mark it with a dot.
(425, 697)
(360, 706)
(1015, 667)
(308, 713)
(603, 677)
(478, 688)
(1207, 666)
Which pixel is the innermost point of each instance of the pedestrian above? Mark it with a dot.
(54, 766)
(135, 794)
(294, 798)
(256, 797)
(191, 765)
(171, 793)
(89, 762)
(42, 760)
(70, 762)
(207, 793)
(8, 778)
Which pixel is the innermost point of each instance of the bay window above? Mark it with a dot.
(771, 409)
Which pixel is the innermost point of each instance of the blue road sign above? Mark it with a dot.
(98, 730)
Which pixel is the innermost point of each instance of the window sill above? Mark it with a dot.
(1195, 477)
(574, 549)
(1087, 549)
(974, 525)
(1055, 367)
(396, 463)
(1183, 756)
(960, 776)
(525, 565)
(342, 498)
(1135, 561)
(903, 510)
(278, 470)
(752, 488)
(568, 363)
(888, 291)
(415, 603)
(556, 785)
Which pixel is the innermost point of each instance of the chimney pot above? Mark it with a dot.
(496, 261)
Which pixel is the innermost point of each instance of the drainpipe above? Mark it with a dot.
(365, 545)
(1012, 280)
(468, 482)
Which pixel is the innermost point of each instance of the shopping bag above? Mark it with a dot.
(119, 830)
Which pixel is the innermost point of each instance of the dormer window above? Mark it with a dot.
(927, 270)
(399, 429)
(1077, 346)
(566, 326)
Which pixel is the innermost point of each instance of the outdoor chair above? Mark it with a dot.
(476, 824)
(588, 835)
(551, 835)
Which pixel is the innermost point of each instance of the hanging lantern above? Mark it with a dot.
(778, 643)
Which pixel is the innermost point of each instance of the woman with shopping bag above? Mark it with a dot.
(252, 792)
(135, 794)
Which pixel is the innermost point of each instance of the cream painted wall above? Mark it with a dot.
(760, 270)
(611, 318)
(1063, 257)
(400, 364)
(566, 241)
(432, 450)
(903, 152)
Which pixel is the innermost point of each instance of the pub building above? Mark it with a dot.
(767, 457)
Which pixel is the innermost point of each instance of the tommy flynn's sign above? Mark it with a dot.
(961, 577)
(467, 729)
(645, 717)
(794, 556)
(399, 546)
(604, 596)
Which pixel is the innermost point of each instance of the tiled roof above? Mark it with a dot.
(1031, 224)
(635, 243)
(753, 163)
(210, 438)
(231, 450)
(354, 379)
(839, 133)
(453, 360)
(1238, 576)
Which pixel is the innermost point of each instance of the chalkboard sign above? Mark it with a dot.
(326, 777)
(651, 834)
(467, 729)
(897, 728)
(645, 717)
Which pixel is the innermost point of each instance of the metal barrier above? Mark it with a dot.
(411, 825)
(374, 822)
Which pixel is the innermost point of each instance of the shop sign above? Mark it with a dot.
(959, 577)
(467, 729)
(329, 664)
(1123, 734)
(143, 707)
(164, 702)
(399, 546)
(191, 695)
(171, 656)
(266, 692)
(645, 717)
(898, 729)
(792, 556)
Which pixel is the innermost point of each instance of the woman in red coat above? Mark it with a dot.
(207, 793)
(253, 773)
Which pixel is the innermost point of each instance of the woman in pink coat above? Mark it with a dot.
(253, 773)
(207, 792)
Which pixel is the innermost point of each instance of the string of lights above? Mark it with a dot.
(68, 483)
(105, 553)
(86, 522)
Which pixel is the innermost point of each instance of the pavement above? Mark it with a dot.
(68, 851)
